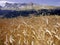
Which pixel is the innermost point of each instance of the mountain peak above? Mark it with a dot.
(9, 5)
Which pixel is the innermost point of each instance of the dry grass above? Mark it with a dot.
(42, 30)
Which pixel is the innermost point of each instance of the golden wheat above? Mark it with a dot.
(41, 30)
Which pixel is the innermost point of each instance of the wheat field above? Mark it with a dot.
(40, 30)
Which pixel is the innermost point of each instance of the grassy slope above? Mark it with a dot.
(41, 30)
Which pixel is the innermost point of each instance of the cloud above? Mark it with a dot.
(2, 3)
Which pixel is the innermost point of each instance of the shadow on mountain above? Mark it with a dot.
(25, 13)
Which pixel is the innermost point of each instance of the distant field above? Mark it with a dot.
(40, 30)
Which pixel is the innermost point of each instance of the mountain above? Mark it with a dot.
(11, 5)
(0, 7)
(19, 6)
(26, 6)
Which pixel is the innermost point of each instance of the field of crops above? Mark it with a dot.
(40, 30)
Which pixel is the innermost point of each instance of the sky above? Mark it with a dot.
(41, 2)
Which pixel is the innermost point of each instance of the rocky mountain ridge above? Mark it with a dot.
(26, 6)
